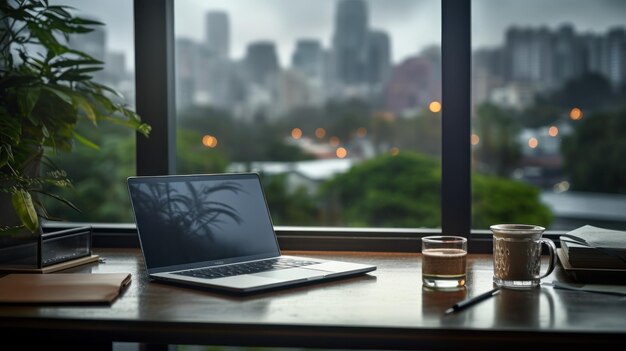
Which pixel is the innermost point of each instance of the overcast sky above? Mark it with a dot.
(411, 24)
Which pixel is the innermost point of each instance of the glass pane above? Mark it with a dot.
(548, 112)
(335, 103)
(98, 175)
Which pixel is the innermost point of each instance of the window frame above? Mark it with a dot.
(154, 71)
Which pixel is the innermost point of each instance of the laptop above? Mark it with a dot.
(215, 231)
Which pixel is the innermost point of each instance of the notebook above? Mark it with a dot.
(215, 231)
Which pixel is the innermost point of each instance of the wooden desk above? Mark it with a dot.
(385, 309)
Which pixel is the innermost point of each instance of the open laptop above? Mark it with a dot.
(215, 230)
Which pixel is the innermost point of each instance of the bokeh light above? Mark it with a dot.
(296, 133)
(576, 114)
(320, 133)
(434, 106)
(553, 131)
(475, 139)
(341, 152)
(209, 141)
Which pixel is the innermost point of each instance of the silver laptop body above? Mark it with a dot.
(215, 230)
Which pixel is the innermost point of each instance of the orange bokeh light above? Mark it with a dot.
(320, 133)
(341, 152)
(434, 106)
(475, 139)
(296, 133)
(533, 143)
(209, 141)
(553, 131)
(576, 114)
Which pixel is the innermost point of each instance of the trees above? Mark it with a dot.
(404, 191)
(499, 149)
(593, 153)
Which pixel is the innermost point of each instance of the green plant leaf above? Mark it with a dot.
(86, 107)
(26, 100)
(60, 10)
(63, 63)
(61, 199)
(85, 141)
(6, 155)
(63, 96)
(23, 205)
(47, 39)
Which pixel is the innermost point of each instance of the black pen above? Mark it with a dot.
(472, 300)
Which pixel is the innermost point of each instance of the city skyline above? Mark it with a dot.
(284, 21)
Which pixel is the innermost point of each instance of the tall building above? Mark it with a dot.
(567, 55)
(547, 59)
(218, 34)
(350, 41)
(529, 56)
(261, 61)
(308, 58)
(592, 46)
(187, 64)
(412, 85)
(379, 58)
(615, 56)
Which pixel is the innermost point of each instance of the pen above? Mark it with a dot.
(472, 300)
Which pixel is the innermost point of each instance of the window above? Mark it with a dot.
(209, 150)
(336, 103)
(548, 110)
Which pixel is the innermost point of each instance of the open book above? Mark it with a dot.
(593, 247)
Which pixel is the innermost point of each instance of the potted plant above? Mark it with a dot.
(46, 90)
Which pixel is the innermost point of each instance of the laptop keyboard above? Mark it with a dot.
(246, 268)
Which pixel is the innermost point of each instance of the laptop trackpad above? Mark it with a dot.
(291, 274)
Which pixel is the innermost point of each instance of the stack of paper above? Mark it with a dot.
(594, 253)
(593, 247)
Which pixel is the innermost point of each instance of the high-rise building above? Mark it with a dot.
(308, 58)
(218, 34)
(547, 59)
(261, 61)
(592, 46)
(615, 56)
(379, 58)
(350, 41)
(567, 55)
(412, 85)
(529, 56)
(187, 64)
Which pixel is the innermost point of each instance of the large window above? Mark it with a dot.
(549, 110)
(336, 103)
(339, 105)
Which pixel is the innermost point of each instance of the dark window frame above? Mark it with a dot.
(154, 62)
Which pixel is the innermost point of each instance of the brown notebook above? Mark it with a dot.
(62, 288)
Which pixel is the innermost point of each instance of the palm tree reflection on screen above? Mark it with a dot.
(189, 210)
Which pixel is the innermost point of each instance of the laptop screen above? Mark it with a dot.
(188, 221)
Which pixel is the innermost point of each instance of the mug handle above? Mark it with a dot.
(552, 251)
